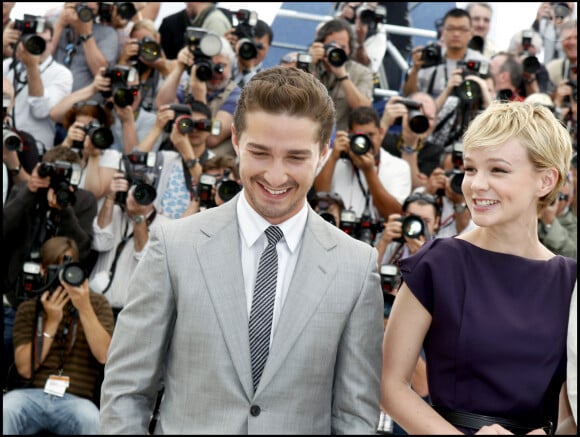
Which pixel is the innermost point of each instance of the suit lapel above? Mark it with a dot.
(309, 284)
(225, 284)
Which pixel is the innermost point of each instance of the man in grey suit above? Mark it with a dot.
(189, 323)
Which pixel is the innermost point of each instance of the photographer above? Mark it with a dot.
(219, 91)
(548, 23)
(366, 176)
(565, 67)
(183, 155)
(205, 15)
(19, 152)
(39, 81)
(434, 66)
(61, 339)
(121, 233)
(83, 46)
(416, 118)
(349, 83)
(251, 44)
(143, 51)
(32, 214)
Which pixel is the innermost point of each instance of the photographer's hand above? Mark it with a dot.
(316, 50)
(130, 49)
(53, 304)
(197, 87)
(75, 133)
(341, 145)
(414, 244)
(392, 111)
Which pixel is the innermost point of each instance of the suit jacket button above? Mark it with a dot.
(255, 410)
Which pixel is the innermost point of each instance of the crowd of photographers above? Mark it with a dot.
(111, 125)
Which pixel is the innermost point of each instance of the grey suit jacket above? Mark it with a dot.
(186, 326)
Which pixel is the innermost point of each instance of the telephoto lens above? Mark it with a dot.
(73, 274)
(360, 143)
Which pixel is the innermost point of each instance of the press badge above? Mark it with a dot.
(56, 385)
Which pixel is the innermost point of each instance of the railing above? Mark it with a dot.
(388, 28)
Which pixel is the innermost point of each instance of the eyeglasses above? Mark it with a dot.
(564, 197)
(86, 103)
(451, 29)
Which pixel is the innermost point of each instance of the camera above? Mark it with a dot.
(205, 190)
(335, 55)
(431, 55)
(324, 201)
(245, 31)
(84, 12)
(304, 61)
(63, 175)
(101, 136)
(125, 10)
(412, 226)
(204, 45)
(478, 68)
(360, 143)
(476, 43)
(11, 140)
(34, 284)
(573, 95)
(141, 170)
(418, 122)
(121, 75)
(372, 17)
(363, 229)
(226, 187)
(149, 50)
(456, 174)
(186, 125)
(29, 27)
(469, 92)
(560, 10)
(390, 282)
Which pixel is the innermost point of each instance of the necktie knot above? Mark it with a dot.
(273, 234)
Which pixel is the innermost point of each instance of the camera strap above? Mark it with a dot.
(71, 325)
(122, 245)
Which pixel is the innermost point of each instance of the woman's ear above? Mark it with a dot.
(548, 180)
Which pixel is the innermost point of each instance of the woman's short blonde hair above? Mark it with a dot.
(547, 141)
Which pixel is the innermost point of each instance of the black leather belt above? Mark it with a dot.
(476, 421)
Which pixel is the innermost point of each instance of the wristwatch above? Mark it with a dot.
(190, 163)
(139, 218)
(340, 79)
(459, 207)
(85, 38)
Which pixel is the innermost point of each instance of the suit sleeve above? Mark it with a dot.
(140, 344)
(358, 369)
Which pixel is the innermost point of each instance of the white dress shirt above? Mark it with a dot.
(253, 242)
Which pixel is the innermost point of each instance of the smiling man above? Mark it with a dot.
(299, 355)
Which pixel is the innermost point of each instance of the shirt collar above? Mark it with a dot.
(253, 225)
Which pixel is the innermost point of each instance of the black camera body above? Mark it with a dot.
(335, 54)
(324, 201)
(477, 68)
(30, 26)
(412, 226)
(574, 95)
(203, 45)
(149, 50)
(180, 110)
(245, 31)
(11, 140)
(431, 55)
(125, 10)
(390, 283)
(142, 170)
(418, 122)
(363, 229)
(101, 136)
(121, 75)
(186, 125)
(34, 283)
(64, 176)
(360, 143)
(225, 187)
(456, 174)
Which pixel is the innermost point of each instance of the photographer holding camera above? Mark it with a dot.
(61, 339)
(548, 23)
(46, 205)
(251, 41)
(82, 43)
(143, 52)
(205, 75)
(367, 177)
(39, 81)
(349, 83)
(565, 67)
(121, 232)
(416, 117)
